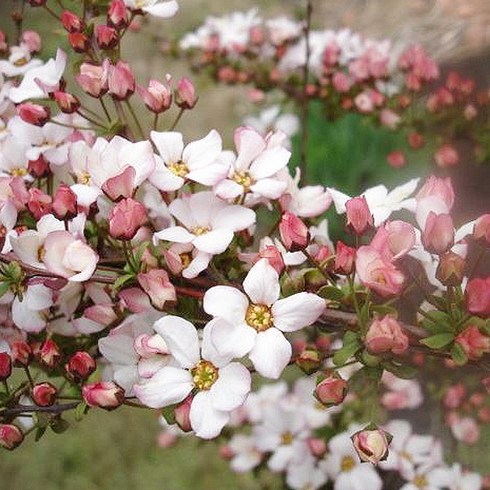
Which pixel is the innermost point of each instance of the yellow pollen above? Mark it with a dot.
(179, 169)
(204, 375)
(186, 259)
(259, 317)
(83, 178)
(18, 172)
(41, 252)
(420, 481)
(347, 464)
(200, 230)
(21, 61)
(287, 438)
(244, 179)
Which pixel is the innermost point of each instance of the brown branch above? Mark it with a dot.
(54, 409)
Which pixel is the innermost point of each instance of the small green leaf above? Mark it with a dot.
(401, 371)
(39, 433)
(384, 310)
(121, 281)
(331, 292)
(168, 413)
(59, 425)
(4, 287)
(80, 411)
(458, 355)
(351, 345)
(438, 341)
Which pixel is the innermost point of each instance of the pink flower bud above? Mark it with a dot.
(71, 22)
(117, 15)
(106, 36)
(415, 140)
(158, 287)
(478, 296)
(39, 167)
(446, 156)
(396, 159)
(385, 335)
(79, 42)
(331, 391)
(389, 118)
(5, 366)
(359, 217)
(436, 187)
(309, 360)
(120, 186)
(473, 342)
(64, 203)
(451, 268)
(35, 114)
(341, 82)
(182, 414)
(105, 394)
(438, 236)
(39, 203)
(125, 218)
(371, 445)
(465, 429)
(294, 233)
(481, 231)
(274, 257)
(185, 95)
(344, 258)
(21, 353)
(157, 97)
(10, 436)
(80, 366)
(66, 102)
(3, 42)
(317, 446)
(32, 40)
(44, 394)
(121, 81)
(93, 78)
(49, 353)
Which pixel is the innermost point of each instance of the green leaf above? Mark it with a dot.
(80, 411)
(168, 414)
(401, 371)
(384, 310)
(59, 425)
(4, 287)
(122, 280)
(458, 355)
(438, 341)
(351, 345)
(331, 292)
(39, 433)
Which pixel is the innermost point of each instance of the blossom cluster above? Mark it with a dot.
(142, 269)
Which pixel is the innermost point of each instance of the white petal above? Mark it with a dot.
(206, 421)
(228, 189)
(163, 9)
(231, 340)
(199, 263)
(270, 188)
(201, 153)
(169, 144)
(175, 234)
(118, 349)
(234, 218)
(271, 353)
(262, 283)
(231, 388)
(181, 339)
(269, 162)
(214, 242)
(297, 311)
(168, 386)
(226, 302)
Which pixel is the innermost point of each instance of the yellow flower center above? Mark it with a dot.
(41, 252)
(204, 375)
(244, 179)
(420, 481)
(179, 169)
(200, 230)
(259, 317)
(21, 61)
(347, 464)
(287, 438)
(83, 178)
(18, 172)
(186, 259)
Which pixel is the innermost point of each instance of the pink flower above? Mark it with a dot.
(93, 78)
(344, 258)
(438, 235)
(185, 95)
(385, 334)
(377, 273)
(396, 159)
(107, 37)
(157, 97)
(121, 80)
(126, 217)
(117, 14)
(394, 239)
(71, 22)
(69, 257)
(446, 156)
(64, 203)
(158, 287)
(473, 342)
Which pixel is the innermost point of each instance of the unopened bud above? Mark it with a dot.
(35, 114)
(5, 366)
(117, 15)
(79, 42)
(345, 257)
(371, 445)
(66, 102)
(331, 390)
(294, 233)
(71, 22)
(10, 436)
(106, 395)
(450, 270)
(106, 36)
(185, 95)
(49, 353)
(80, 366)
(21, 353)
(359, 217)
(182, 414)
(44, 394)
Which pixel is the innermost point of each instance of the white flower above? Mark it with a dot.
(246, 456)
(158, 8)
(306, 475)
(253, 323)
(254, 170)
(30, 313)
(221, 386)
(19, 62)
(381, 203)
(199, 161)
(209, 222)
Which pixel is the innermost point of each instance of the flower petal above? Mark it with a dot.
(226, 302)
(262, 283)
(231, 388)
(271, 353)
(297, 311)
(214, 242)
(175, 234)
(206, 421)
